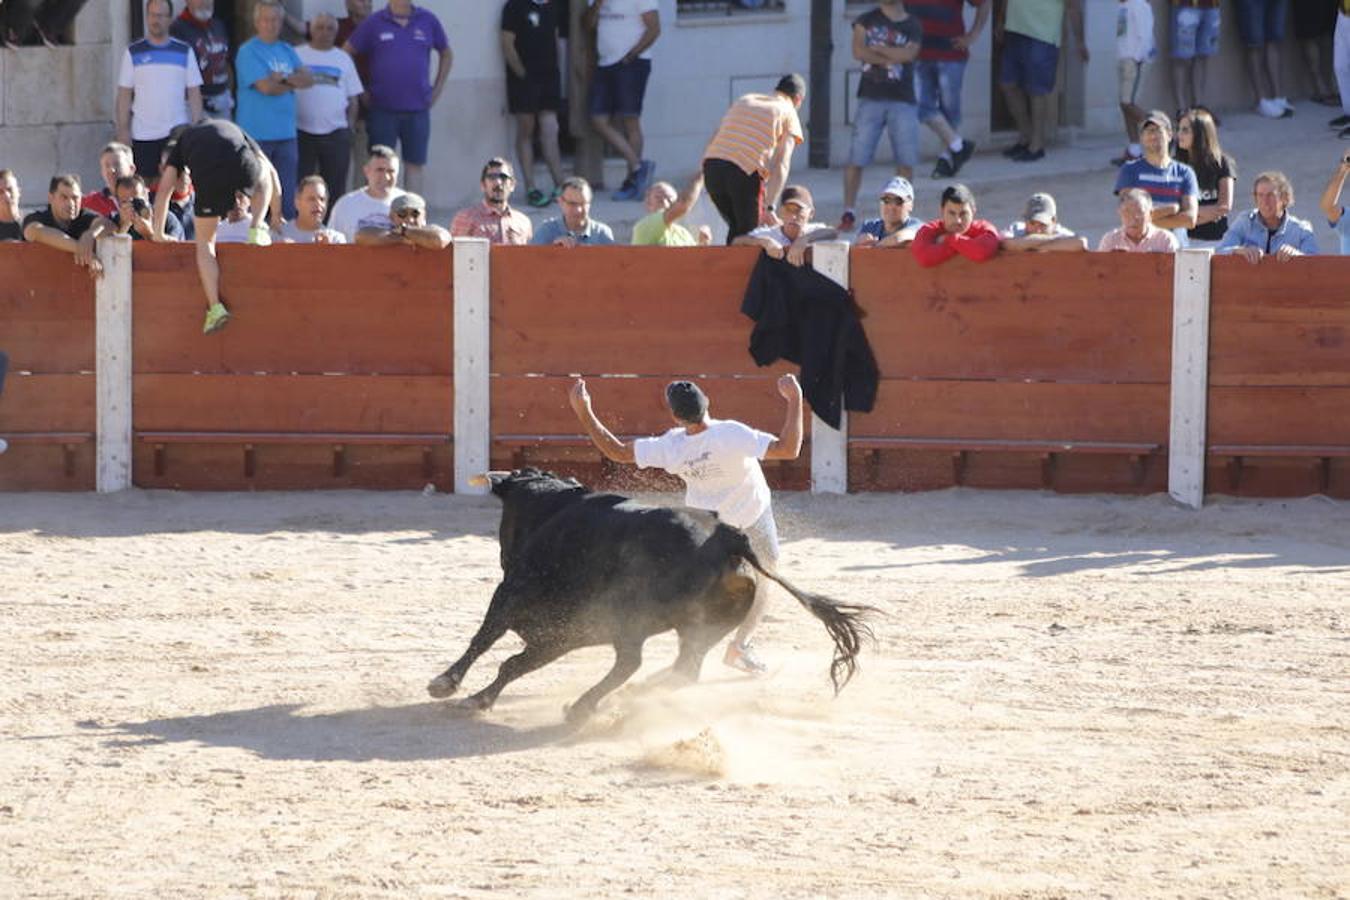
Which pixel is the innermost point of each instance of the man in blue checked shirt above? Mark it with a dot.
(1269, 229)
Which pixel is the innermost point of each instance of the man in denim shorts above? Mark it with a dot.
(940, 71)
(1030, 33)
(624, 33)
(1195, 39)
(886, 40)
(1261, 25)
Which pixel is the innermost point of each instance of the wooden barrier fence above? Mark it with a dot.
(339, 369)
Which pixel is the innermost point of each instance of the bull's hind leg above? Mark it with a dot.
(493, 627)
(695, 642)
(534, 656)
(627, 660)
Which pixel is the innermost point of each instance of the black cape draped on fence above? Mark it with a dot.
(804, 317)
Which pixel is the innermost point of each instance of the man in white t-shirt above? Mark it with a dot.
(311, 202)
(624, 33)
(718, 460)
(368, 207)
(326, 113)
(159, 87)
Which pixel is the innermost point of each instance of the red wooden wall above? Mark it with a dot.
(47, 408)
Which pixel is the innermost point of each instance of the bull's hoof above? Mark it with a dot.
(442, 686)
(471, 706)
(577, 714)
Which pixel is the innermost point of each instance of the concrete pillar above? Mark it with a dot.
(1190, 377)
(472, 363)
(829, 448)
(112, 364)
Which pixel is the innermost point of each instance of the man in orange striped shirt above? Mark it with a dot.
(750, 156)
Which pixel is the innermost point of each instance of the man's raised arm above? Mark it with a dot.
(611, 447)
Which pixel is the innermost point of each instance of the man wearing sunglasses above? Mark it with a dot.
(409, 227)
(494, 218)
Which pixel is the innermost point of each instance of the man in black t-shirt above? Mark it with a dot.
(529, 37)
(64, 226)
(11, 229)
(886, 40)
(223, 160)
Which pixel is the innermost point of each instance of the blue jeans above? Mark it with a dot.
(938, 82)
(898, 119)
(1260, 21)
(1195, 32)
(409, 133)
(285, 157)
(1029, 64)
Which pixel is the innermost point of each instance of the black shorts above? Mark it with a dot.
(533, 93)
(1314, 18)
(217, 186)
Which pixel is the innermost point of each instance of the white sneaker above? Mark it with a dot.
(4, 445)
(1285, 104)
(1269, 108)
(743, 657)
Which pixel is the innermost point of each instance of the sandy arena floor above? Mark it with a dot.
(223, 695)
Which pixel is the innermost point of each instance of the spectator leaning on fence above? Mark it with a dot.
(270, 72)
(198, 27)
(1269, 229)
(793, 237)
(750, 155)
(114, 162)
(66, 227)
(369, 206)
(957, 233)
(886, 41)
(408, 228)
(529, 36)
(135, 217)
(236, 225)
(1331, 201)
(624, 33)
(1171, 184)
(158, 89)
(494, 218)
(575, 226)
(661, 226)
(1137, 233)
(1039, 231)
(896, 225)
(397, 43)
(326, 113)
(311, 204)
(11, 226)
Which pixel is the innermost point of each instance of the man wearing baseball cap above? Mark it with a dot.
(718, 460)
(1171, 184)
(795, 234)
(1039, 230)
(896, 226)
(409, 226)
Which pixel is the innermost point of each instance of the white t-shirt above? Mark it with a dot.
(620, 28)
(322, 109)
(293, 233)
(1134, 31)
(359, 210)
(233, 232)
(720, 467)
(776, 234)
(159, 76)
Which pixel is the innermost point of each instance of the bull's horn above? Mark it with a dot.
(485, 480)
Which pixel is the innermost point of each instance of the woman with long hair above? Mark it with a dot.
(1215, 172)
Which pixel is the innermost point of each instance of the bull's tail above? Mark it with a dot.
(848, 624)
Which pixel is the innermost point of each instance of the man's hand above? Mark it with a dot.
(796, 253)
(705, 236)
(770, 218)
(865, 240)
(963, 41)
(84, 250)
(321, 237)
(788, 387)
(565, 241)
(1250, 254)
(579, 398)
(773, 250)
(1287, 252)
(301, 78)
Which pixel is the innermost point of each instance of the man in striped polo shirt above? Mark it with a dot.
(750, 156)
(159, 88)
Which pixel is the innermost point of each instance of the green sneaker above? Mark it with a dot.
(217, 317)
(260, 237)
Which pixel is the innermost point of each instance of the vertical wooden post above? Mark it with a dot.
(829, 448)
(472, 363)
(112, 365)
(1190, 377)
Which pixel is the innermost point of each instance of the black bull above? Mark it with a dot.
(583, 569)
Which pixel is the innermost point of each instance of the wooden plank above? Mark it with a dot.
(47, 403)
(347, 268)
(1076, 317)
(46, 310)
(635, 310)
(1280, 324)
(290, 467)
(1278, 415)
(1190, 377)
(314, 403)
(1017, 411)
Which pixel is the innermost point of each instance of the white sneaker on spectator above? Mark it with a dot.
(1284, 102)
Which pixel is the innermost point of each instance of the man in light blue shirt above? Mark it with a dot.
(269, 73)
(575, 226)
(1331, 202)
(1269, 230)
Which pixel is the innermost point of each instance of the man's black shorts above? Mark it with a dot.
(533, 93)
(217, 186)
